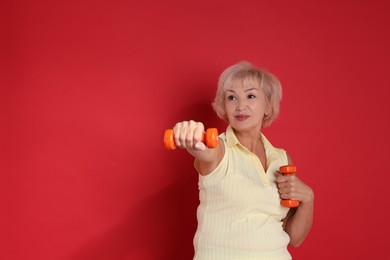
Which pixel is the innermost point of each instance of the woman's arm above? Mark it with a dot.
(299, 220)
(188, 135)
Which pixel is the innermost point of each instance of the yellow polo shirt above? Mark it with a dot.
(240, 216)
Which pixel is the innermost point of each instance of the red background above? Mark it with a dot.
(88, 87)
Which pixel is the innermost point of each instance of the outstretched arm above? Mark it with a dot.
(188, 135)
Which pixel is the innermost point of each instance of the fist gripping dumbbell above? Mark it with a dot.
(289, 170)
(210, 138)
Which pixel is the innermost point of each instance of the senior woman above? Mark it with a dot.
(240, 187)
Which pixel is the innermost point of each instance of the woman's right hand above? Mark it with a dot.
(188, 135)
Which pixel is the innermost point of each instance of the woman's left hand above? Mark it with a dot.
(292, 188)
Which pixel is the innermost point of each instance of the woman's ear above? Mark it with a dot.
(268, 109)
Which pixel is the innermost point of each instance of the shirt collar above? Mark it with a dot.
(231, 140)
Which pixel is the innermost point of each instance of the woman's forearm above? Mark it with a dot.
(299, 224)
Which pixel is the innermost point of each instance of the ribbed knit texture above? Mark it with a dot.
(239, 216)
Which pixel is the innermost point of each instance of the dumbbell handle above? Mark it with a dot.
(210, 138)
(289, 170)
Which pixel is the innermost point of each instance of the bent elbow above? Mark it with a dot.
(296, 242)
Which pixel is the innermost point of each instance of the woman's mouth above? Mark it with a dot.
(241, 117)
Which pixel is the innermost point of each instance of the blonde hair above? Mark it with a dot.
(242, 72)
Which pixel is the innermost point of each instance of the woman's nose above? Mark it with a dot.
(240, 106)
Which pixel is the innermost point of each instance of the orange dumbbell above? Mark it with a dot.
(289, 170)
(210, 138)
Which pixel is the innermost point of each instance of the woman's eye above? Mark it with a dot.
(231, 97)
(251, 96)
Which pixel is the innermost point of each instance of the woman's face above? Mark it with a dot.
(245, 105)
